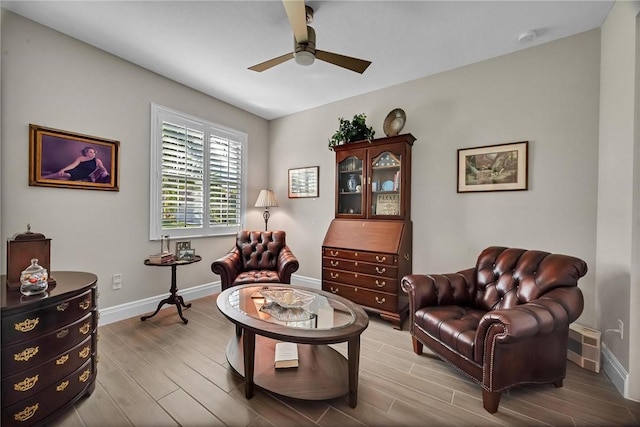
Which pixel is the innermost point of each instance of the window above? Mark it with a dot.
(197, 176)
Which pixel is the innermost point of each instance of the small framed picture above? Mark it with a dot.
(181, 246)
(186, 254)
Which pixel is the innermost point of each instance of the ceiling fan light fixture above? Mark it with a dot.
(304, 57)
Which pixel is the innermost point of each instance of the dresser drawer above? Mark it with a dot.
(360, 267)
(363, 296)
(28, 325)
(377, 283)
(26, 383)
(372, 257)
(33, 409)
(28, 354)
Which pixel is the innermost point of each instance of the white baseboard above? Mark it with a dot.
(615, 371)
(149, 305)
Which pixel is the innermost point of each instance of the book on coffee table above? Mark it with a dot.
(286, 355)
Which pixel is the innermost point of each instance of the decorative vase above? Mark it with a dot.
(33, 279)
(352, 182)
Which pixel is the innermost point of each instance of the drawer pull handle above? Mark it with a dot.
(26, 354)
(27, 325)
(62, 360)
(383, 259)
(63, 306)
(381, 284)
(334, 253)
(84, 376)
(381, 271)
(335, 291)
(380, 301)
(334, 275)
(407, 257)
(26, 384)
(334, 263)
(85, 328)
(62, 385)
(63, 333)
(26, 413)
(84, 352)
(85, 304)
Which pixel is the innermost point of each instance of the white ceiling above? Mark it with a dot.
(208, 45)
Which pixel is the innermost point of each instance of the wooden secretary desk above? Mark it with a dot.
(368, 246)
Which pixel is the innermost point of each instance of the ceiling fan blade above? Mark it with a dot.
(272, 62)
(353, 64)
(297, 19)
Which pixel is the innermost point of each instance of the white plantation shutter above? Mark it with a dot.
(197, 188)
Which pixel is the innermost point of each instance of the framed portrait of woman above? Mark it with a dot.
(59, 158)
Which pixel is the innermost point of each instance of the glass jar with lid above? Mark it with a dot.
(33, 279)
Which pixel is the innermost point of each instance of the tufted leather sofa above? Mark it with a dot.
(503, 322)
(257, 257)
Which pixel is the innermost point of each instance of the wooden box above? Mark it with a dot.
(21, 249)
(584, 347)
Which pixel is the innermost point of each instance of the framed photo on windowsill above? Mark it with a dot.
(59, 158)
(303, 182)
(500, 167)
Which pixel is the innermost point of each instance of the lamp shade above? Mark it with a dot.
(266, 199)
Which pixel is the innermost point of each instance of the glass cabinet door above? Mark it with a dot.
(350, 186)
(386, 184)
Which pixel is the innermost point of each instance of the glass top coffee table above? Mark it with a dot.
(266, 314)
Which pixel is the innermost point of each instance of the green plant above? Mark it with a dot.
(349, 131)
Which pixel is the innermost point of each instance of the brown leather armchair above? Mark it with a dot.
(257, 257)
(503, 322)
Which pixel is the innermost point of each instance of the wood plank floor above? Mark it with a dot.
(164, 373)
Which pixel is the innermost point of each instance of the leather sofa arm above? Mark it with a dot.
(228, 267)
(287, 264)
(439, 289)
(553, 311)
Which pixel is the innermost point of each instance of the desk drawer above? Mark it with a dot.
(372, 257)
(365, 297)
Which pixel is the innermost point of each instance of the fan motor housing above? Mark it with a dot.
(305, 53)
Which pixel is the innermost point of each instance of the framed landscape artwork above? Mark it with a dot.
(59, 158)
(303, 182)
(500, 167)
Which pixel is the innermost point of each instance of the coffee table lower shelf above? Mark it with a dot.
(323, 373)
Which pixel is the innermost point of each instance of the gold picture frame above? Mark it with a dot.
(501, 167)
(59, 158)
(304, 182)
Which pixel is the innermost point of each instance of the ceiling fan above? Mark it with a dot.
(305, 51)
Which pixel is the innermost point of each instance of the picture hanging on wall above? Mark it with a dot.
(500, 167)
(303, 182)
(59, 158)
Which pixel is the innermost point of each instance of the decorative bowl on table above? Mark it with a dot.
(288, 298)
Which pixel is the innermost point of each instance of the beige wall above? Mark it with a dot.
(547, 95)
(52, 80)
(618, 238)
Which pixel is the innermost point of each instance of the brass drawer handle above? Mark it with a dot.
(383, 259)
(26, 384)
(84, 376)
(334, 275)
(63, 306)
(63, 333)
(26, 354)
(335, 291)
(334, 253)
(334, 263)
(407, 257)
(85, 328)
(27, 325)
(381, 284)
(85, 304)
(63, 359)
(84, 352)
(382, 301)
(381, 272)
(62, 385)
(26, 413)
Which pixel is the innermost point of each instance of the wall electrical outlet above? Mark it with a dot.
(621, 328)
(117, 281)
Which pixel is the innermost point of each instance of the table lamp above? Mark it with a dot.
(266, 199)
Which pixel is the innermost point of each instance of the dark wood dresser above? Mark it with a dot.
(49, 347)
